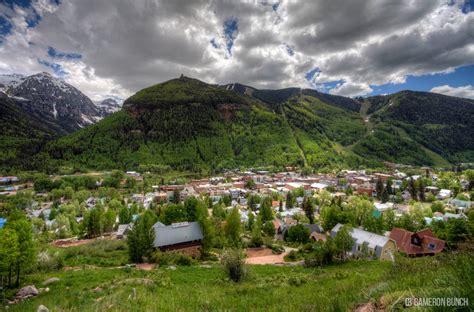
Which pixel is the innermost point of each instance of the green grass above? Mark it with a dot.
(98, 253)
(267, 288)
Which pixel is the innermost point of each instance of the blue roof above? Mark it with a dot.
(2, 222)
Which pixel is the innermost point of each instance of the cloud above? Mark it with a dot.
(464, 91)
(125, 45)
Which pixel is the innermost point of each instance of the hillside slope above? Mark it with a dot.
(419, 128)
(187, 125)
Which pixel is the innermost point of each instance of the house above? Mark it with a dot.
(183, 236)
(122, 231)
(318, 237)
(319, 186)
(417, 243)
(443, 194)
(380, 246)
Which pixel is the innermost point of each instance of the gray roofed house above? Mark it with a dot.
(380, 246)
(177, 235)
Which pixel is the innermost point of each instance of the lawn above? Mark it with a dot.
(337, 287)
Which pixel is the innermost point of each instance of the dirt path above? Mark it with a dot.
(265, 256)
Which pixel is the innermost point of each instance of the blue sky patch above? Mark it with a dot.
(462, 76)
(5, 26)
(289, 49)
(231, 28)
(310, 75)
(58, 70)
(62, 55)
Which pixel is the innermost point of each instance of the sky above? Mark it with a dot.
(350, 48)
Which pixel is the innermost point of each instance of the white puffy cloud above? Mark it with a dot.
(128, 45)
(464, 91)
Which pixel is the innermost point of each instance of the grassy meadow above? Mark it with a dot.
(339, 287)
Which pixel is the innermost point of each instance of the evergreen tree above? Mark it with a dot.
(256, 239)
(412, 188)
(379, 188)
(389, 187)
(308, 209)
(124, 216)
(266, 210)
(280, 206)
(141, 236)
(269, 229)
(251, 221)
(421, 190)
(290, 200)
(232, 227)
(384, 196)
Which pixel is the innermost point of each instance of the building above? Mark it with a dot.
(178, 236)
(2, 222)
(380, 246)
(122, 231)
(420, 243)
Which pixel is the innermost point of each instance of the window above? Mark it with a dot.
(431, 246)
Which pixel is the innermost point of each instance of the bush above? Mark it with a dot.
(292, 256)
(233, 264)
(47, 261)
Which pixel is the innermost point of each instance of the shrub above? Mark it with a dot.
(47, 261)
(233, 264)
(291, 256)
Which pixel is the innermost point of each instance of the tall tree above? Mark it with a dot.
(343, 241)
(266, 210)
(9, 252)
(290, 200)
(232, 227)
(308, 209)
(379, 188)
(26, 248)
(140, 238)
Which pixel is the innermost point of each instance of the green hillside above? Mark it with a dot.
(419, 128)
(187, 125)
(22, 135)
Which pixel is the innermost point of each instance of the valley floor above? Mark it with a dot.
(339, 287)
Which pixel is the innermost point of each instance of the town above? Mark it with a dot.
(293, 218)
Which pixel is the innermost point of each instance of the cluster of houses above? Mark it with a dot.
(238, 185)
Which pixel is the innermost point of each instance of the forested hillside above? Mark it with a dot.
(187, 125)
(420, 128)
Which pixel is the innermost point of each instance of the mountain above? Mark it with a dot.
(276, 97)
(21, 134)
(10, 80)
(108, 107)
(418, 128)
(188, 125)
(51, 98)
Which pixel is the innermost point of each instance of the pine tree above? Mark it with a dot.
(266, 210)
(379, 188)
(232, 227)
(308, 209)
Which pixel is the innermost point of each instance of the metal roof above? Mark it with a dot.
(176, 233)
(361, 236)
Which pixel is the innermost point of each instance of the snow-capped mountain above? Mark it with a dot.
(109, 106)
(44, 95)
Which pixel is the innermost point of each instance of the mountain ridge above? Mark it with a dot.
(186, 124)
